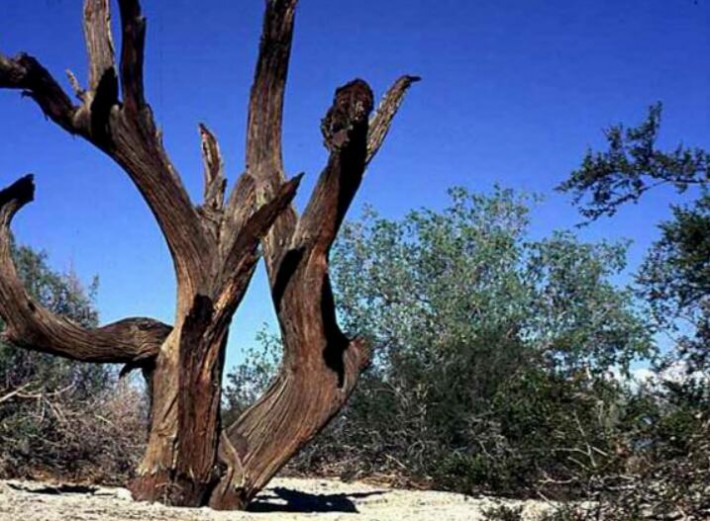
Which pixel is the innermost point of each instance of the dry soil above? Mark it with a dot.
(284, 500)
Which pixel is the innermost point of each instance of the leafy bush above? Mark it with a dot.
(58, 417)
(502, 363)
(493, 352)
(671, 455)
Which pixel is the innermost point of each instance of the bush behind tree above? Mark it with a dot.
(494, 353)
(673, 477)
(60, 418)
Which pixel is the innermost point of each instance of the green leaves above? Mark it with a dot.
(676, 273)
(631, 166)
(62, 293)
(579, 316)
(675, 280)
(675, 277)
(423, 286)
(493, 351)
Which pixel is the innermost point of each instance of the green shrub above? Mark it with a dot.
(61, 418)
(492, 352)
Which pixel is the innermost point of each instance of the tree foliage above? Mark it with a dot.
(494, 353)
(469, 272)
(674, 281)
(58, 416)
(64, 295)
(675, 276)
(631, 166)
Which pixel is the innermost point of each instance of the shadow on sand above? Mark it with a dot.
(302, 502)
(277, 499)
(54, 490)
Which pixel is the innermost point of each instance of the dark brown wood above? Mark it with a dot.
(212, 210)
(191, 460)
(25, 73)
(31, 326)
(133, 28)
(264, 159)
(300, 403)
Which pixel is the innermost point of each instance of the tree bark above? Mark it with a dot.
(191, 460)
(320, 364)
(178, 467)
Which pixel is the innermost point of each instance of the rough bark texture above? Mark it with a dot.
(191, 460)
(29, 325)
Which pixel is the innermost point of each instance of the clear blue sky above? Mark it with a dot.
(514, 92)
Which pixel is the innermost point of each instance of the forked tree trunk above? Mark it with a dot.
(191, 459)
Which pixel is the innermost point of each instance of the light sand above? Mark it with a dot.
(284, 500)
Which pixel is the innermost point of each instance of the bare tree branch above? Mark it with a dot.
(79, 92)
(25, 73)
(345, 131)
(264, 151)
(259, 224)
(381, 121)
(99, 42)
(215, 183)
(32, 326)
(239, 263)
(215, 250)
(133, 27)
(264, 159)
(241, 204)
(102, 94)
(137, 146)
(299, 404)
(18, 391)
(213, 170)
(127, 132)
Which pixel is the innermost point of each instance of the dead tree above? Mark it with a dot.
(191, 459)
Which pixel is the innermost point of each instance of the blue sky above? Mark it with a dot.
(514, 92)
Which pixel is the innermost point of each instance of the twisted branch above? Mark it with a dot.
(31, 326)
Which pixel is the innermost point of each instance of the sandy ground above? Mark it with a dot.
(284, 500)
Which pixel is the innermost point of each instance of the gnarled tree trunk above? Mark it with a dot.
(191, 459)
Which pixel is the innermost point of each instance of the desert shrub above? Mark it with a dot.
(670, 459)
(62, 418)
(501, 365)
(493, 352)
(56, 435)
(670, 474)
(503, 513)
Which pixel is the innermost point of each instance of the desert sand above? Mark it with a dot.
(286, 499)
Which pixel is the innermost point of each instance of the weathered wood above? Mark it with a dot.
(381, 121)
(31, 326)
(99, 42)
(300, 403)
(133, 28)
(264, 159)
(191, 460)
(25, 73)
(215, 183)
(241, 204)
(179, 466)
